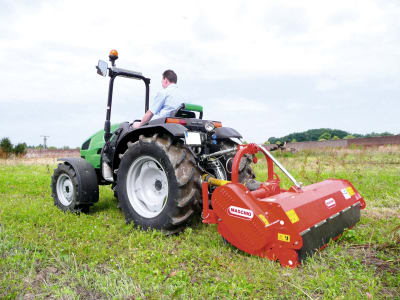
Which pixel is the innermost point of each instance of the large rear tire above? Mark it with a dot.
(158, 184)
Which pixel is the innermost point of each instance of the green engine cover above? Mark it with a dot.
(91, 148)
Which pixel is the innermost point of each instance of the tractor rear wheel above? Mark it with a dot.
(158, 184)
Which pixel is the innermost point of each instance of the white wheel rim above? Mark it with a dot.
(65, 189)
(147, 187)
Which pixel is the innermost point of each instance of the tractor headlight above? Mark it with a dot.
(209, 126)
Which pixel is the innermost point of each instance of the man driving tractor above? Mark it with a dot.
(166, 101)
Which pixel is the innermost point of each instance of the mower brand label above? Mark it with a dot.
(293, 217)
(330, 202)
(284, 237)
(240, 212)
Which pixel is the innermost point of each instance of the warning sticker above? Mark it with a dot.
(293, 217)
(350, 191)
(264, 219)
(345, 193)
(284, 237)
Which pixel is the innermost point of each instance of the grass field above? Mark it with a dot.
(45, 253)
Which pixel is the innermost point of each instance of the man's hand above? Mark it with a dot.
(147, 117)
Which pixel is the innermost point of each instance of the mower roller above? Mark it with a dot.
(284, 225)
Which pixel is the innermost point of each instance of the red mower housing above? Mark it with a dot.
(284, 225)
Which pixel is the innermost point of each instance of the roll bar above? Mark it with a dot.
(114, 72)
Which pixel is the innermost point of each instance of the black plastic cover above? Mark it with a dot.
(227, 132)
(319, 236)
(88, 188)
(86, 144)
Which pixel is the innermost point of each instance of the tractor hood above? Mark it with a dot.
(91, 148)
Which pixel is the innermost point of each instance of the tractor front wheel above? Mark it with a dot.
(74, 185)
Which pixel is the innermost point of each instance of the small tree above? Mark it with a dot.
(335, 138)
(348, 137)
(20, 149)
(272, 140)
(6, 146)
(325, 136)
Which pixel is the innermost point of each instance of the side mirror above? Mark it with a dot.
(102, 68)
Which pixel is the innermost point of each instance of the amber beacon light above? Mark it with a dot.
(113, 56)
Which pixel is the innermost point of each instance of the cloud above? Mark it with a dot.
(239, 105)
(263, 67)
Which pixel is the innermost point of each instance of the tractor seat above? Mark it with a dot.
(183, 112)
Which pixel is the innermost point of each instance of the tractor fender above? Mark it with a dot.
(87, 178)
(174, 130)
(227, 132)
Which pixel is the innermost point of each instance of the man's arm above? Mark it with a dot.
(147, 117)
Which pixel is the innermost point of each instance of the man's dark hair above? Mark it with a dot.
(171, 76)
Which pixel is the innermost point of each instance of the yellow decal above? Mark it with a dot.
(350, 191)
(284, 237)
(263, 218)
(293, 217)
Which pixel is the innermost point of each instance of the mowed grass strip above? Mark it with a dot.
(47, 253)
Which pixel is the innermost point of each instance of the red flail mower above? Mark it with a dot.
(284, 225)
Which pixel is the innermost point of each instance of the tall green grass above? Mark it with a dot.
(46, 253)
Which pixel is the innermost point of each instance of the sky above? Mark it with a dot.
(265, 68)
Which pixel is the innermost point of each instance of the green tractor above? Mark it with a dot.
(155, 170)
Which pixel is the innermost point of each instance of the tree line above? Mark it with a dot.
(321, 134)
(7, 148)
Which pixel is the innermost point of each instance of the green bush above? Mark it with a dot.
(325, 136)
(6, 146)
(20, 149)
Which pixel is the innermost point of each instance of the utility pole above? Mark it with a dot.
(45, 141)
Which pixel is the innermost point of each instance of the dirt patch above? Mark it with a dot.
(368, 257)
(381, 212)
(34, 283)
(49, 276)
(85, 293)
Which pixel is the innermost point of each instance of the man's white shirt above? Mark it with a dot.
(166, 101)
